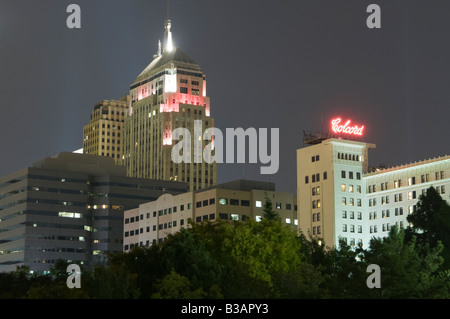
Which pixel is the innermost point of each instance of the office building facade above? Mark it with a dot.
(238, 200)
(69, 207)
(102, 136)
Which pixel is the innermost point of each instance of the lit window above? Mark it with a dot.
(258, 203)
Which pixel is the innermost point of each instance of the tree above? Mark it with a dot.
(268, 212)
(431, 223)
(408, 270)
(175, 286)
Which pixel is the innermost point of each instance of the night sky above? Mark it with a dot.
(291, 65)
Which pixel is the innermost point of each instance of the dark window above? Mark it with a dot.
(245, 203)
(234, 201)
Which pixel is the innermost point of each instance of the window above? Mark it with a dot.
(344, 214)
(212, 201)
(350, 188)
(198, 204)
(325, 175)
(344, 201)
(358, 189)
(234, 202)
(359, 229)
(258, 203)
(343, 174)
(352, 215)
(288, 206)
(359, 215)
(183, 90)
(306, 179)
(235, 217)
(318, 190)
(245, 203)
(224, 201)
(205, 202)
(278, 205)
(350, 175)
(358, 202)
(344, 187)
(358, 175)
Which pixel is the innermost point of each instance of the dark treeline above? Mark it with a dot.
(263, 260)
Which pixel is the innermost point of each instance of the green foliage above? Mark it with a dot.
(408, 271)
(267, 259)
(268, 212)
(431, 223)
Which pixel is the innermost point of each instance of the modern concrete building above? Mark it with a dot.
(169, 93)
(69, 207)
(102, 136)
(341, 197)
(238, 200)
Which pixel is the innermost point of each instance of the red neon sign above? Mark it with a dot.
(346, 128)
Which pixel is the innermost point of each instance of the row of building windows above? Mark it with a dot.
(399, 197)
(350, 175)
(161, 212)
(385, 227)
(351, 188)
(351, 215)
(350, 157)
(161, 226)
(424, 178)
(316, 177)
(351, 201)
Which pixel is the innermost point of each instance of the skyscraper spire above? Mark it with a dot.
(168, 44)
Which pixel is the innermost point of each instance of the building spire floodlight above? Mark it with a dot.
(168, 46)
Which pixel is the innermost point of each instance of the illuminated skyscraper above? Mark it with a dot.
(102, 136)
(169, 93)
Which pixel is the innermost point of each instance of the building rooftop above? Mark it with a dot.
(382, 170)
(243, 185)
(177, 57)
